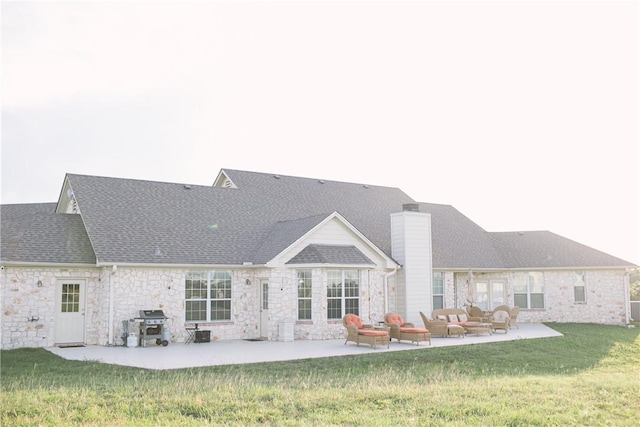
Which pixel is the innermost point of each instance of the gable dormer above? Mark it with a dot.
(223, 181)
(67, 203)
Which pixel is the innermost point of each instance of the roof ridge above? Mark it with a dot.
(320, 180)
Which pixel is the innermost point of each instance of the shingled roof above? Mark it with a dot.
(125, 221)
(133, 221)
(35, 233)
(458, 242)
(330, 254)
(544, 249)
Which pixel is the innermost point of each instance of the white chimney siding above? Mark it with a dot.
(411, 247)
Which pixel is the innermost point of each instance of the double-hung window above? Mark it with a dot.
(304, 295)
(579, 287)
(528, 290)
(208, 296)
(343, 290)
(438, 290)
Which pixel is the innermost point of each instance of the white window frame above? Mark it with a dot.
(532, 287)
(438, 277)
(305, 293)
(580, 287)
(222, 295)
(336, 282)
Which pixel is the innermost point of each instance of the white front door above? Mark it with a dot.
(70, 311)
(264, 308)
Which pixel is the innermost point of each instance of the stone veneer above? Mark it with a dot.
(28, 310)
(605, 296)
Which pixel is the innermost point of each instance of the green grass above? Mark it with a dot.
(589, 377)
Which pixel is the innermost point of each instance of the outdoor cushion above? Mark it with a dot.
(453, 318)
(395, 318)
(500, 316)
(352, 319)
(462, 317)
(458, 323)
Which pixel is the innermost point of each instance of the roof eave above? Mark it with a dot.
(532, 268)
(45, 264)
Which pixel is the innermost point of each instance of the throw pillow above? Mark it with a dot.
(441, 317)
(462, 317)
(453, 318)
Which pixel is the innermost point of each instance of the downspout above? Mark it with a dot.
(627, 297)
(386, 288)
(111, 304)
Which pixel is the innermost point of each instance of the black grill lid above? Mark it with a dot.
(152, 314)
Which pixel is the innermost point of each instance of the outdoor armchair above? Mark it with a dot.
(401, 330)
(500, 320)
(360, 333)
(436, 327)
(513, 317)
(477, 312)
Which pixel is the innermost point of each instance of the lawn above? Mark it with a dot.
(589, 377)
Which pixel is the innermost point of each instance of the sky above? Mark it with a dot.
(523, 115)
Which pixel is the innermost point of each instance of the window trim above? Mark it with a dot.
(343, 298)
(440, 275)
(209, 278)
(580, 282)
(302, 281)
(530, 282)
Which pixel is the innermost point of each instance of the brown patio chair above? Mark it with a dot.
(513, 317)
(500, 320)
(477, 312)
(436, 327)
(359, 334)
(401, 330)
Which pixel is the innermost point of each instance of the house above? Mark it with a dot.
(273, 256)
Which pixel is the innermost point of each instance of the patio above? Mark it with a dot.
(180, 355)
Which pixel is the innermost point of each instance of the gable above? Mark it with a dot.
(330, 240)
(223, 181)
(67, 202)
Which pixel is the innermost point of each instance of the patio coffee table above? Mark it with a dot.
(478, 328)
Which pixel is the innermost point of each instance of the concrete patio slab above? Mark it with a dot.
(180, 355)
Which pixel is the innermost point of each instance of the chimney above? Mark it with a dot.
(411, 207)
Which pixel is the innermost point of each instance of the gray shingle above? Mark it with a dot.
(544, 249)
(282, 235)
(132, 221)
(330, 254)
(457, 241)
(145, 222)
(35, 233)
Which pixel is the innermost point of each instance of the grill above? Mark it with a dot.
(152, 327)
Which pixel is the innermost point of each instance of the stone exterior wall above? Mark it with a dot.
(605, 299)
(605, 296)
(28, 310)
(164, 289)
(320, 327)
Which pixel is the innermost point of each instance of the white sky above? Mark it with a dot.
(521, 114)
